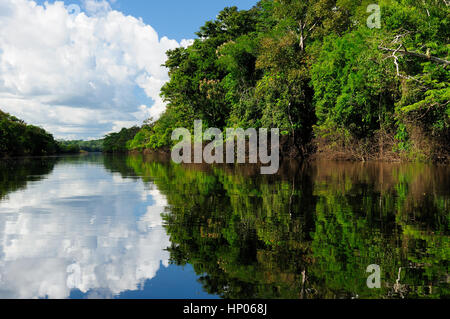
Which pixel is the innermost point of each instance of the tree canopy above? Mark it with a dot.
(19, 138)
(318, 72)
(117, 142)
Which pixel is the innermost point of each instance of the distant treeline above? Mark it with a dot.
(78, 146)
(333, 83)
(20, 139)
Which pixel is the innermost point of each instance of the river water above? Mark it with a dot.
(98, 226)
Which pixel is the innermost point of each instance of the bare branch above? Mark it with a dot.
(417, 55)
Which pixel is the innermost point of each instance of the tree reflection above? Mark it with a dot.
(15, 174)
(309, 232)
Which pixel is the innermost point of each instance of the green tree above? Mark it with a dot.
(315, 70)
(117, 142)
(18, 138)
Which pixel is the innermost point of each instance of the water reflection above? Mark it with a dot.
(105, 225)
(82, 227)
(311, 231)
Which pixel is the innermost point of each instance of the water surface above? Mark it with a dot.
(141, 227)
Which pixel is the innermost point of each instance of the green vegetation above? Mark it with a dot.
(69, 148)
(312, 68)
(78, 146)
(117, 142)
(315, 70)
(18, 138)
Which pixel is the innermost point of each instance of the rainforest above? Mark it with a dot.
(93, 205)
(335, 87)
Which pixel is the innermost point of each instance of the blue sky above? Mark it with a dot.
(176, 19)
(81, 74)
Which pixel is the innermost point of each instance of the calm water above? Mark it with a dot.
(140, 227)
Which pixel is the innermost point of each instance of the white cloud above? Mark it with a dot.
(185, 43)
(77, 74)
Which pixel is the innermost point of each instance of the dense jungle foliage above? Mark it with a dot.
(18, 138)
(317, 70)
(117, 142)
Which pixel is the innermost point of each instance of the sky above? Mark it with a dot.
(83, 69)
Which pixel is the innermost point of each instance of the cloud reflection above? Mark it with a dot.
(81, 228)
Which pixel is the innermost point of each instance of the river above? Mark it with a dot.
(97, 226)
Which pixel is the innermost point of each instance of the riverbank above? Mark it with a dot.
(383, 150)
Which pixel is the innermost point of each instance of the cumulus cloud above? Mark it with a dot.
(77, 73)
(81, 234)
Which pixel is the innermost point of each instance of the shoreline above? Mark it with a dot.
(315, 157)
